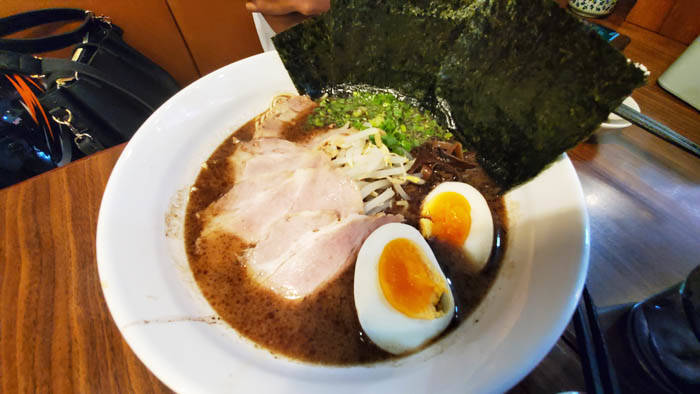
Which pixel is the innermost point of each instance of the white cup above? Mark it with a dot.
(592, 8)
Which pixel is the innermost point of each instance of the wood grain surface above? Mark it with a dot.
(650, 14)
(675, 19)
(655, 185)
(56, 334)
(683, 22)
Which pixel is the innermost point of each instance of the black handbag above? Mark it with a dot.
(94, 100)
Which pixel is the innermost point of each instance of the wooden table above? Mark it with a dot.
(56, 334)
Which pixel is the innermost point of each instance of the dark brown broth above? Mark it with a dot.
(323, 327)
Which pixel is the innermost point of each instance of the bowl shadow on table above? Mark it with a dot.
(634, 144)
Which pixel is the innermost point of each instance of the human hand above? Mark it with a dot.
(284, 7)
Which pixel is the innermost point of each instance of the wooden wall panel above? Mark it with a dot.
(650, 14)
(675, 19)
(217, 32)
(683, 22)
(148, 26)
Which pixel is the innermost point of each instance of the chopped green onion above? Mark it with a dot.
(405, 125)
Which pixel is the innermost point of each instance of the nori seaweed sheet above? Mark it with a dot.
(306, 51)
(526, 81)
(367, 52)
(449, 10)
(523, 79)
(443, 9)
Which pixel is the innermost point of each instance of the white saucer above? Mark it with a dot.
(616, 122)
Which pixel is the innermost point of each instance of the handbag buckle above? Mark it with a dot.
(61, 82)
(66, 121)
(85, 142)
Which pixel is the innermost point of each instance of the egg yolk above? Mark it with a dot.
(408, 282)
(447, 217)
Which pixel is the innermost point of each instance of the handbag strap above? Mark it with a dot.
(26, 20)
(30, 65)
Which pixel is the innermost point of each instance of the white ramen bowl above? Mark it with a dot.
(165, 319)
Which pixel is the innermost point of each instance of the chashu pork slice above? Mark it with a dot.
(253, 205)
(275, 179)
(309, 249)
(272, 155)
(298, 220)
(285, 112)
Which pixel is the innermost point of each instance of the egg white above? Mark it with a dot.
(388, 328)
(479, 242)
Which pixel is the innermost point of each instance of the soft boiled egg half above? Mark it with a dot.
(457, 214)
(403, 299)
